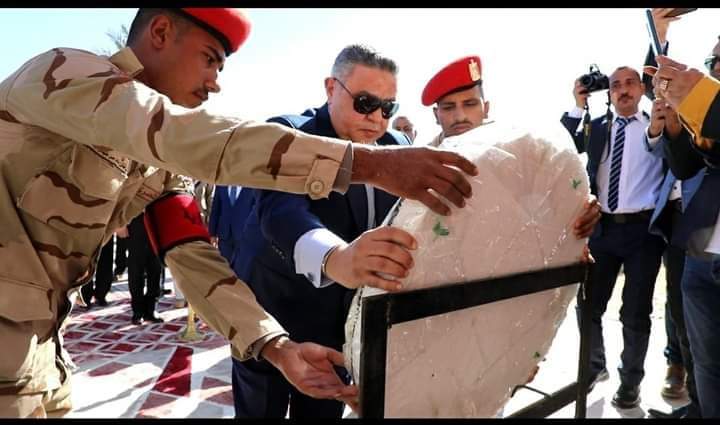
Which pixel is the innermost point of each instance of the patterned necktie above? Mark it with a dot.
(616, 162)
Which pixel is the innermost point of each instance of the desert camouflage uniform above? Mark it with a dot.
(83, 149)
(204, 193)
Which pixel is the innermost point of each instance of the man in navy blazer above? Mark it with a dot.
(305, 252)
(626, 178)
(230, 208)
(667, 219)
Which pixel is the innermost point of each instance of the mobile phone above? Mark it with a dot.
(654, 40)
(680, 11)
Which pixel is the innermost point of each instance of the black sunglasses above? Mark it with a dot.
(366, 104)
(711, 61)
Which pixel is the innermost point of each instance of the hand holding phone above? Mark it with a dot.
(680, 11)
(654, 39)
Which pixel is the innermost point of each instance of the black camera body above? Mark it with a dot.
(595, 80)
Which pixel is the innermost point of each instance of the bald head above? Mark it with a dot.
(403, 124)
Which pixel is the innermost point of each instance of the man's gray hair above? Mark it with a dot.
(355, 54)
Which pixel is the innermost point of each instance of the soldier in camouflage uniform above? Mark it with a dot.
(87, 142)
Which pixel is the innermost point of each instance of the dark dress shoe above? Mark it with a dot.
(154, 319)
(137, 320)
(679, 413)
(627, 396)
(603, 375)
(101, 303)
(674, 385)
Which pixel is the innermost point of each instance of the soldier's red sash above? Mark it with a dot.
(174, 220)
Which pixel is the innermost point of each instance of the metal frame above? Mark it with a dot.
(380, 312)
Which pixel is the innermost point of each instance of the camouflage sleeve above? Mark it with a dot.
(96, 101)
(223, 301)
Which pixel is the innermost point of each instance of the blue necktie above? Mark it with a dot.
(233, 194)
(616, 162)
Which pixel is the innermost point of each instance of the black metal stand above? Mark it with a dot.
(380, 312)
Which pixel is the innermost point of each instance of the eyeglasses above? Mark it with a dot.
(711, 61)
(365, 103)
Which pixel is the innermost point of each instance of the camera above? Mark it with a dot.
(594, 80)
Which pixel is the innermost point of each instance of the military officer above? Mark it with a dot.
(456, 91)
(87, 142)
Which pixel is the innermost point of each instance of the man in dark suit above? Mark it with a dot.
(143, 274)
(673, 198)
(227, 219)
(626, 178)
(301, 256)
(695, 98)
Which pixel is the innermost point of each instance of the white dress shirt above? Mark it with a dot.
(676, 191)
(640, 174)
(311, 247)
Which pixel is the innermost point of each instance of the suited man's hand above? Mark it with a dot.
(374, 259)
(659, 111)
(410, 172)
(588, 218)
(662, 22)
(309, 368)
(664, 119)
(580, 94)
(679, 80)
(122, 232)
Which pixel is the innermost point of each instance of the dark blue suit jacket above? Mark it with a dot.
(659, 224)
(276, 223)
(227, 221)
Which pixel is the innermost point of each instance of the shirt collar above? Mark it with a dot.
(638, 116)
(126, 60)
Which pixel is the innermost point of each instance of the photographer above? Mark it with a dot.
(626, 178)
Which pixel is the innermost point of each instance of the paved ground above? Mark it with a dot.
(127, 371)
(560, 366)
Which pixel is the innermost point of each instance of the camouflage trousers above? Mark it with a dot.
(35, 379)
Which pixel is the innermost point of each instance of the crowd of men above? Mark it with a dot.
(298, 201)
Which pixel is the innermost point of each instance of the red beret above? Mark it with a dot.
(461, 73)
(229, 25)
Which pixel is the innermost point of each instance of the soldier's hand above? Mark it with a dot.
(580, 94)
(410, 172)
(376, 259)
(590, 215)
(309, 368)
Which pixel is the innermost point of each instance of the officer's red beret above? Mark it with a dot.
(460, 73)
(229, 25)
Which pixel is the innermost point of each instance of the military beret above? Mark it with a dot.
(464, 72)
(229, 25)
